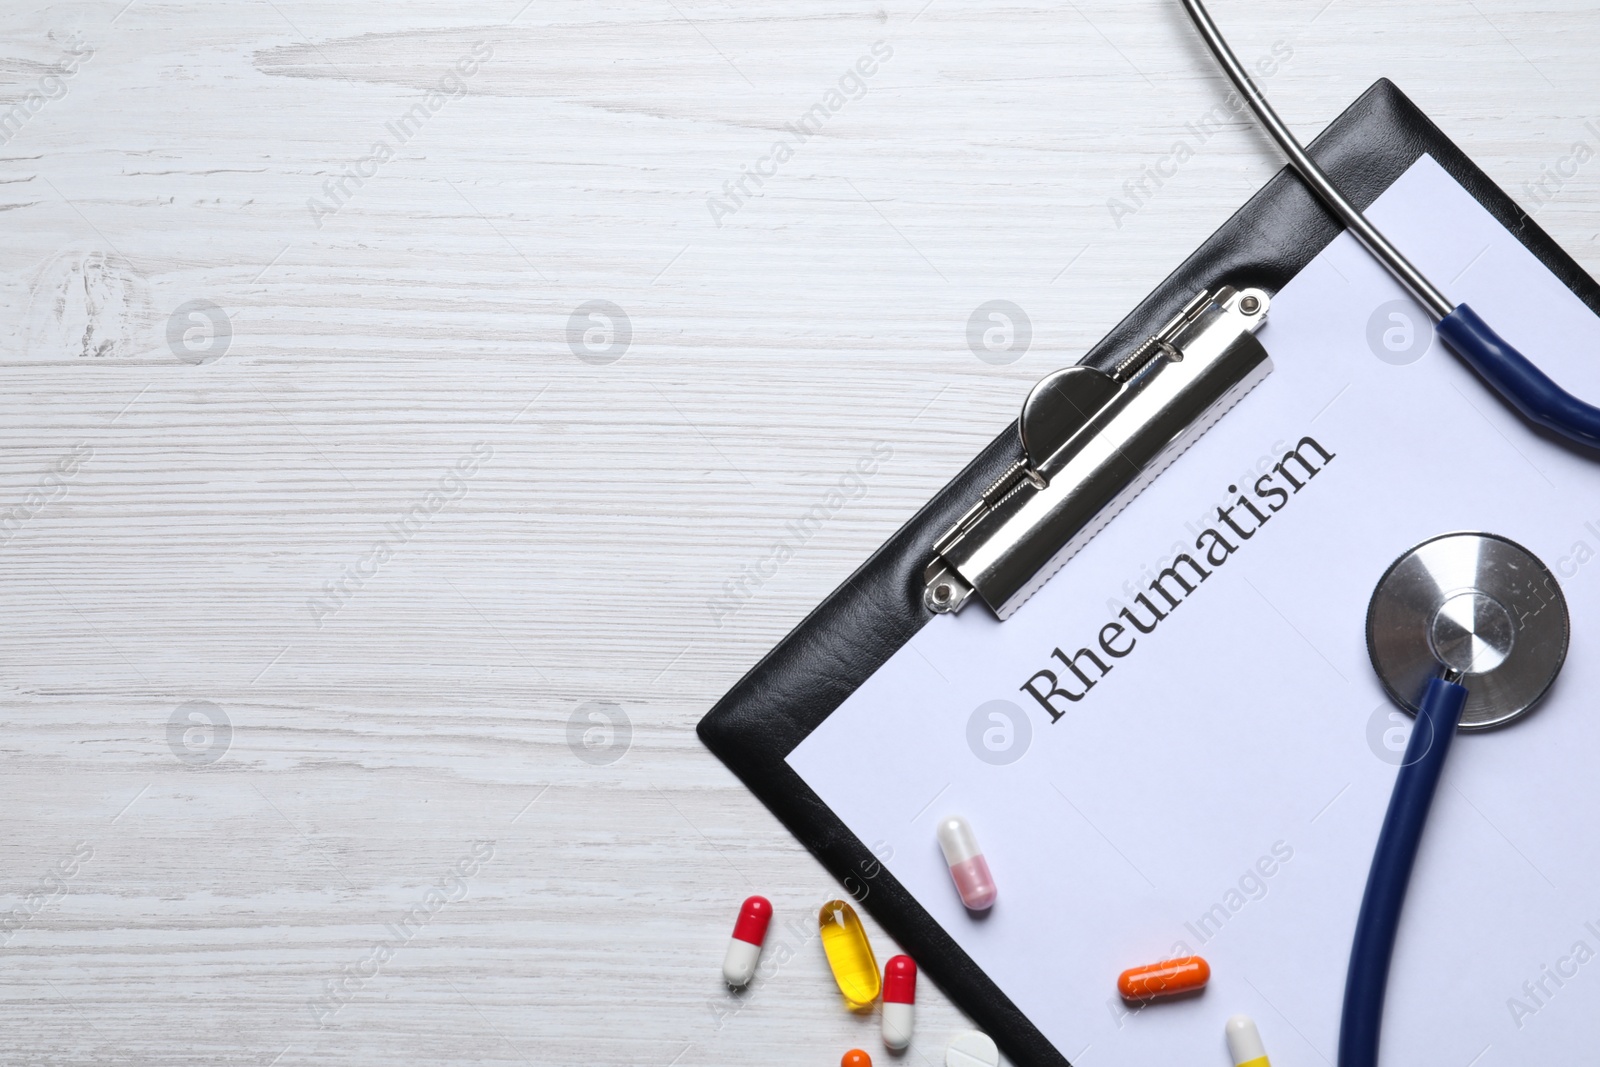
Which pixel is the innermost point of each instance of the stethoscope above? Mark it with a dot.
(1466, 630)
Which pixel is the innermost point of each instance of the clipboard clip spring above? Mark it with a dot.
(1091, 441)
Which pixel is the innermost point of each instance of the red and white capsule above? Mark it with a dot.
(899, 996)
(744, 949)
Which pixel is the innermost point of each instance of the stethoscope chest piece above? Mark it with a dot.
(1479, 605)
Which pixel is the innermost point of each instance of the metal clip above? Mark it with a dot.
(1091, 442)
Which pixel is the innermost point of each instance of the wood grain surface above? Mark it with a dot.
(362, 588)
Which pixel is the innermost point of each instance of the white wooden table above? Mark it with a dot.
(328, 559)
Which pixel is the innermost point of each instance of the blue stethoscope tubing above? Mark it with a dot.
(1390, 874)
(1514, 377)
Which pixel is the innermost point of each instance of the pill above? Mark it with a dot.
(1165, 979)
(856, 1058)
(744, 948)
(844, 941)
(967, 865)
(972, 1049)
(899, 994)
(1244, 1043)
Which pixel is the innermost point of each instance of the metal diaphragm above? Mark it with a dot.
(1479, 605)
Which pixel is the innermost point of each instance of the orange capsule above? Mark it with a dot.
(856, 1058)
(1165, 979)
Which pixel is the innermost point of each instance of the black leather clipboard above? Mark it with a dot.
(879, 608)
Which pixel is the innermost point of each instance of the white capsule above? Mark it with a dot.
(957, 841)
(1244, 1043)
(739, 965)
(897, 1022)
(972, 1049)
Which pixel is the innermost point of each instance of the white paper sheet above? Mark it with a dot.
(1221, 788)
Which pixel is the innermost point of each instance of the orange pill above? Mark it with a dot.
(1165, 979)
(856, 1058)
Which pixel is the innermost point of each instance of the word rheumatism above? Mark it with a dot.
(1243, 520)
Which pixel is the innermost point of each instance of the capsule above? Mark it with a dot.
(856, 1058)
(899, 994)
(744, 948)
(1169, 978)
(844, 941)
(972, 1049)
(1244, 1043)
(967, 865)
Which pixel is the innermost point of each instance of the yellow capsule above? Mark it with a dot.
(849, 953)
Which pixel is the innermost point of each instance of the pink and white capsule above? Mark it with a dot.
(967, 865)
(899, 996)
(744, 948)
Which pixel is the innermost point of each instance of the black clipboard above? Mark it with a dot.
(880, 607)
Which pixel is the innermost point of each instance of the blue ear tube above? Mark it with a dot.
(1511, 374)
